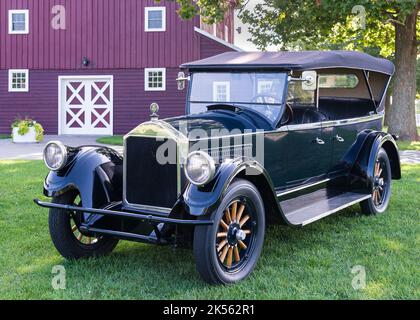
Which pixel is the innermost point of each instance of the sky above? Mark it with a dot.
(242, 39)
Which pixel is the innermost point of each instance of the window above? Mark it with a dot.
(155, 79)
(18, 80)
(245, 90)
(18, 21)
(221, 91)
(346, 81)
(265, 86)
(296, 94)
(155, 19)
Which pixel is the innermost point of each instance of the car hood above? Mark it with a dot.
(218, 123)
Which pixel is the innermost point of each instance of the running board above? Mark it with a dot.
(311, 207)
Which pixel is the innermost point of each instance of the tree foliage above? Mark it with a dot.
(211, 11)
(363, 25)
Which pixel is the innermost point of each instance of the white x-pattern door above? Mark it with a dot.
(86, 105)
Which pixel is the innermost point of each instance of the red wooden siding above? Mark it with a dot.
(209, 47)
(131, 103)
(109, 33)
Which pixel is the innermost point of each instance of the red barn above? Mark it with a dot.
(94, 66)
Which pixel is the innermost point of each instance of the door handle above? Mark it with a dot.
(319, 141)
(338, 138)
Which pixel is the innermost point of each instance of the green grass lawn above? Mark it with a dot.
(409, 145)
(309, 263)
(111, 140)
(5, 136)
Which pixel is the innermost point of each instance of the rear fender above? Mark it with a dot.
(363, 166)
(96, 172)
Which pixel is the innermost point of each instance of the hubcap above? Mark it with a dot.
(234, 235)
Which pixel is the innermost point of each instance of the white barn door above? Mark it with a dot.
(86, 105)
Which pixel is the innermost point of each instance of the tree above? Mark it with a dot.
(384, 27)
(211, 11)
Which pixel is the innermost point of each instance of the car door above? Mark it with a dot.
(309, 153)
(342, 137)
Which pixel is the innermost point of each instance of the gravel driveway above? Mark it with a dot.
(12, 151)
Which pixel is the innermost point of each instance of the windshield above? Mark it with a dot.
(261, 92)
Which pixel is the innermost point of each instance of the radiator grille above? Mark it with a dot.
(147, 182)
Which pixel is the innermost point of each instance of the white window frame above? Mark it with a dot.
(146, 79)
(216, 84)
(146, 19)
(26, 13)
(11, 72)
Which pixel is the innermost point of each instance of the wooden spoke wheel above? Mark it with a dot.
(66, 236)
(235, 234)
(381, 185)
(76, 219)
(228, 250)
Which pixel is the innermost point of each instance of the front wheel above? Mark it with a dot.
(381, 186)
(227, 251)
(70, 242)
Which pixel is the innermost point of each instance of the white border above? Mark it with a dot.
(11, 71)
(146, 19)
(26, 13)
(146, 79)
(79, 77)
(226, 84)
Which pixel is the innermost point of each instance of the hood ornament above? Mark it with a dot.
(154, 109)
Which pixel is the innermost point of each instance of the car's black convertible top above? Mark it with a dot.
(294, 60)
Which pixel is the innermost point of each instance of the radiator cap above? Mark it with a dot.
(154, 109)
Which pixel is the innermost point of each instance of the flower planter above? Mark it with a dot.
(29, 137)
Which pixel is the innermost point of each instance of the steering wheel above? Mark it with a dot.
(262, 98)
(289, 112)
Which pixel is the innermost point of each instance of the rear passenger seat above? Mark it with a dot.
(345, 108)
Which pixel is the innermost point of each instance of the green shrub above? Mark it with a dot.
(24, 125)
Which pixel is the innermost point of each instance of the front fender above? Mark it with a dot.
(96, 172)
(200, 201)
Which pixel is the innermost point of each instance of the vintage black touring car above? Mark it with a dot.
(288, 137)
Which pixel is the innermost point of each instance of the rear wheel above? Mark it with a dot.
(227, 251)
(66, 236)
(381, 187)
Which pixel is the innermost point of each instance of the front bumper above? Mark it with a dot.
(145, 217)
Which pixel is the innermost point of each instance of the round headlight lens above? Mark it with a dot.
(200, 168)
(55, 155)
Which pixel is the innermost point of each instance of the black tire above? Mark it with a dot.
(206, 248)
(64, 238)
(379, 202)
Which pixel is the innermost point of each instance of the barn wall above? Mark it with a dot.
(109, 33)
(131, 102)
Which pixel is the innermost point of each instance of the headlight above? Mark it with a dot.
(200, 168)
(55, 155)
